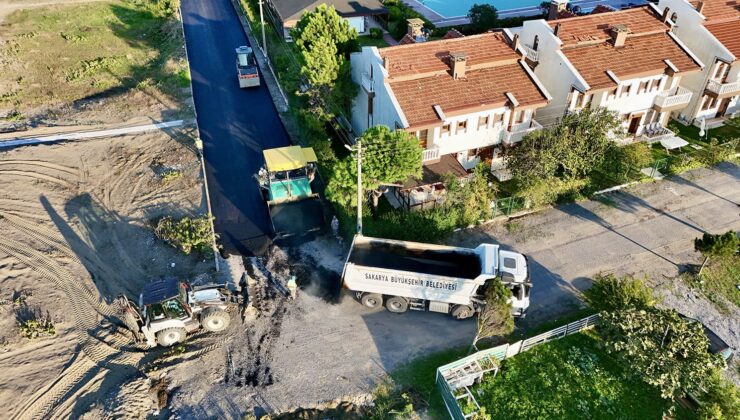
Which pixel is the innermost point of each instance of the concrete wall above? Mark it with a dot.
(366, 66)
(554, 70)
(358, 23)
(689, 28)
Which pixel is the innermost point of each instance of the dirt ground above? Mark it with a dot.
(75, 233)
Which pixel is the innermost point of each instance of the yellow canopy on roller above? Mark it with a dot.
(288, 158)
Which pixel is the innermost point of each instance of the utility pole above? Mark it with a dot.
(359, 187)
(262, 22)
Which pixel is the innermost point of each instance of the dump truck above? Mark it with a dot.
(403, 275)
(168, 310)
(246, 67)
(286, 181)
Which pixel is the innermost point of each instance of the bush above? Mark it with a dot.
(36, 327)
(376, 33)
(725, 244)
(720, 401)
(187, 234)
(609, 293)
(715, 153)
(550, 190)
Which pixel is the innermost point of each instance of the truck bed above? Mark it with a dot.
(429, 261)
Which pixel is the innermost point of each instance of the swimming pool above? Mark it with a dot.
(455, 8)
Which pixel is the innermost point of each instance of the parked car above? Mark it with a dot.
(716, 344)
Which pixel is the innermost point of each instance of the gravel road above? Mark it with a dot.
(330, 347)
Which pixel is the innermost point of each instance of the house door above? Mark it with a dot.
(634, 125)
(723, 107)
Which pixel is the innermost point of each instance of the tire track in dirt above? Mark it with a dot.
(36, 175)
(42, 164)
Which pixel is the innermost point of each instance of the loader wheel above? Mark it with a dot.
(397, 304)
(462, 311)
(215, 320)
(170, 336)
(371, 300)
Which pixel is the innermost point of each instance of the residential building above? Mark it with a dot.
(462, 97)
(628, 61)
(287, 13)
(711, 28)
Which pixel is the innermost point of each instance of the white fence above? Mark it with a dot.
(454, 379)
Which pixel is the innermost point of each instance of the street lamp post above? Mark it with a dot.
(262, 23)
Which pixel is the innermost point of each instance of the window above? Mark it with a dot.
(462, 126)
(643, 87)
(483, 122)
(519, 117)
(574, 98)
(422, 136)
(510, 263)
(613, 93)
(536, 42)
(709, 102)
(498, 118)
(587, 100)
(723, 69)
(369, 105)
(674, 17)
(625, 91)
(446, 129)
(654, 84)
(174, 309)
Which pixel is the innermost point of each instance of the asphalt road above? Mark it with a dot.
(235, 125)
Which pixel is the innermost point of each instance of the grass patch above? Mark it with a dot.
(691, 133)
(419, 377)
(67, 53)
(721, 276)
(368, 41)
(570, 378)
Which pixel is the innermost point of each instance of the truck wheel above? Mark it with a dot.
(170, 336)
(462, 311)
(371, 300)
(397, 304)
(215, 320)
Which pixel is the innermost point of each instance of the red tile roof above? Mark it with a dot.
(453, 33)
(407, 39)
(485, 88)
(429, 57)
(587, 44)
(719, 9)
(728, 33)
(596, 27)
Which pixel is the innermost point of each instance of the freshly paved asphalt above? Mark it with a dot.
(235, 125)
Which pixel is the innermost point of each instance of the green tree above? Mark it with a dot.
(610, 293)
(324, 40)
(668, 351)
(721, 400)
(388, 157)
(495, 317)
(571, 149)
(482, 17)
(473, 196)
(725, 244)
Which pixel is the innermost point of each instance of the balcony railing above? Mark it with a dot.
(531, 53)
(430, 154)
(723, 88)
(674, 97)
(517, 133)
(367, 82)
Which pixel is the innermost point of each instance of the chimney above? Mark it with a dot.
(515, 42)
(387, 64)
(556, 30)
(665, 14)
(556, 6)
(619, 35)
(700, 7)
(458, 61)
(415, 26)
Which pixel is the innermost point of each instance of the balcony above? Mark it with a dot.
(517, 132)
(723, 89)
(672, 99)
(531, 53)
(430, 155)
(367, 83)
